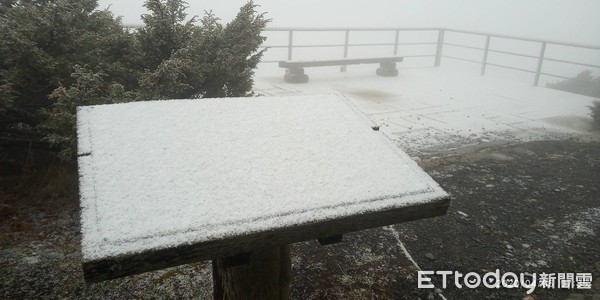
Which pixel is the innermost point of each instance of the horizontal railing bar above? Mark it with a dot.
(558, 76)
(318, 46)
(404, 56)
(329, 28)
(463, 46)
(512, 68)
(397, 67)
(420, 55)
(349, 45)
(572, 62)
(350, 29)
(362, 45)
(496, 35)
(513, 53)
(574, 45)
(463, 59)
(516, 37)
(420, 43)
(489, 64)
(304, 46)
(391, 44)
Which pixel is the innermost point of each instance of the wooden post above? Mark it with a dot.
(266, 275)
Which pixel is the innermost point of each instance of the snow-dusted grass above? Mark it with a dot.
(166, 173)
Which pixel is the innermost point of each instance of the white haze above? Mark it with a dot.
(571, 21)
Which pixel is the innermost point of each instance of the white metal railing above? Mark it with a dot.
(439, 43)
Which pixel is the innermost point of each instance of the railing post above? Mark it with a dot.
(539, 65)
(440, 46)
(290, 44)
(396, 42)
(485, 54)
(343, 68)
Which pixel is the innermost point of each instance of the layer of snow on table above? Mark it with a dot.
(164, 173)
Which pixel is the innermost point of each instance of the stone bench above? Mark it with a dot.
(295, 68)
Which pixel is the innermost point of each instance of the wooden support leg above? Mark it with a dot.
(387, 69)
(266, 275)
(295, 75)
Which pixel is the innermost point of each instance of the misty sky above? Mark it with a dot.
(573, 21)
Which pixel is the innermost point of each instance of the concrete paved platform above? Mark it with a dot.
(426, 110)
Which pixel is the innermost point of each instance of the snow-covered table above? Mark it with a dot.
(164, 183)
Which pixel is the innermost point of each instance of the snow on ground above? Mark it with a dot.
(430, 109)
(160, 174)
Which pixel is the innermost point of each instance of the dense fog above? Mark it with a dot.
(572, 21)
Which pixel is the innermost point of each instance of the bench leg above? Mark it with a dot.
(387, 69)
(266, 275)
(295, 75)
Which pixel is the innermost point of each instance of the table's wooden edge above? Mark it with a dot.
(104, 269)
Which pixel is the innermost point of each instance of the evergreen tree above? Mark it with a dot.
(5, 5)
(56, 55)
(225, 57)
(165, 30)
(214, 61)
(89, 88)
(41, 42)
(595, 113)
(584, 83)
